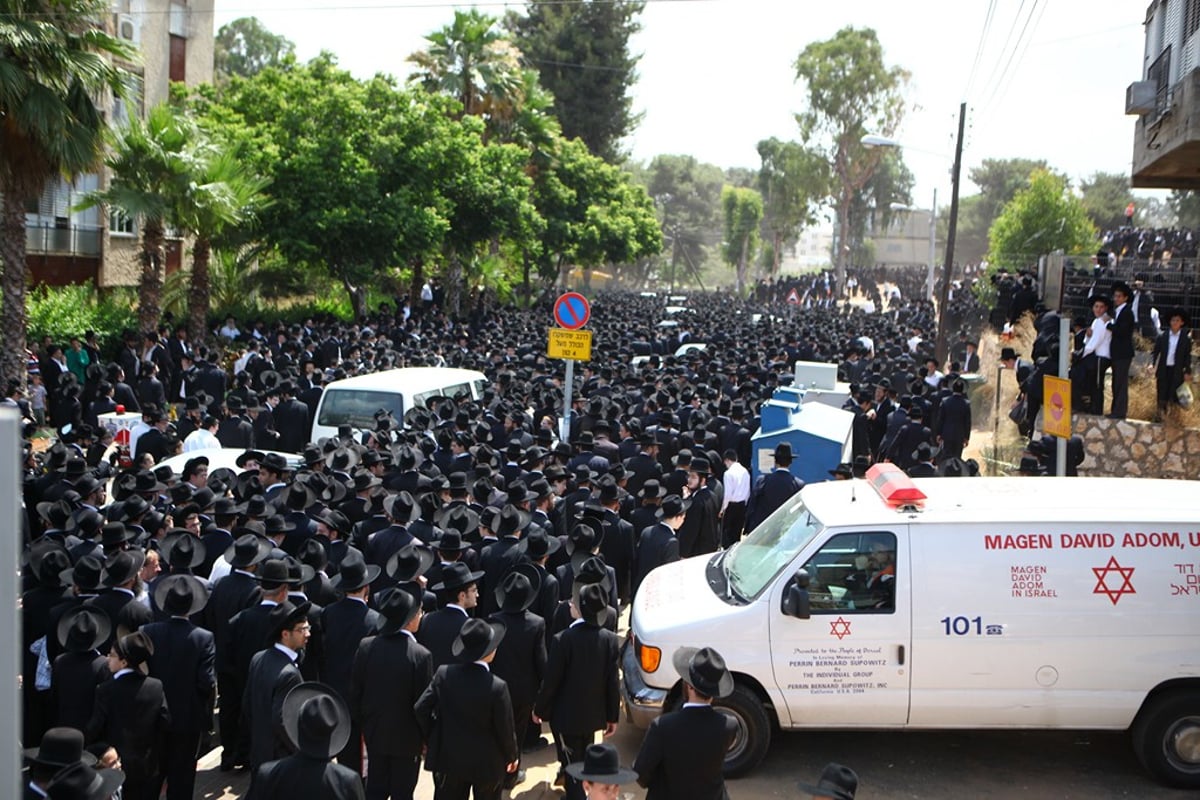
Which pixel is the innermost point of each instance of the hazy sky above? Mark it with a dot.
(717, 76)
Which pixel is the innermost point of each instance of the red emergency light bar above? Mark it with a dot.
(894, 486)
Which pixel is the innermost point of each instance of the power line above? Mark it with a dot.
(394, 6)
(1004, 47)
(987, 24)
(996, 92)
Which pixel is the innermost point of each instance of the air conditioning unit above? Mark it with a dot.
(1141, 98)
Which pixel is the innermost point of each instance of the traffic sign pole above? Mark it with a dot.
(571, 311)
(1064, 352)
(564, 435)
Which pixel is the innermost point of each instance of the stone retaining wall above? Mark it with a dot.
(1133, 448)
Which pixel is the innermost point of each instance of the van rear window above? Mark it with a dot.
(357, 407)
(451, 391)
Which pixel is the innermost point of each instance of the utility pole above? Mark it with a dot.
(942, 334)
(929, 279)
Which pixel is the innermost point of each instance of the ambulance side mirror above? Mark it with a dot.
(795, 601)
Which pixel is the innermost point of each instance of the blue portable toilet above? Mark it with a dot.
(819, 435)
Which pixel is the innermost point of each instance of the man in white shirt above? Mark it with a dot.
(203, 437)
(737, 494)
(1096, 353)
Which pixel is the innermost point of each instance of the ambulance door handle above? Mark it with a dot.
(901, 655)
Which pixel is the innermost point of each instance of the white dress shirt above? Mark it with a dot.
(737, 485)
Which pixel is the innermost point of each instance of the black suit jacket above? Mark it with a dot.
(153, 442)
(438, 631)
(131, 715)
(231, 594)
(247, 633)
(236, 432)
(580, 693)
(184, 661)
(954, 421)
(272, 676)
(344, 625)
(521, 657)
(292, 422)
(73, 686)
(123, 610)
(656, 546)
(1183, 356)
(474, 715)
(700, 532)
(683, 755)
(302, 776)
(1122, 328)
(390, 674)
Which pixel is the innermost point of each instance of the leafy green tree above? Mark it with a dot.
(1041, 218)
(743, 211)
(54, 63)
(1153, 212)
(851, 93)
(581, 53)
(794, 182)
(153, 169)
(1105, 198)
(998, 180)
(687, 193)
(1185, 205)
(892, 182)
(245, 47)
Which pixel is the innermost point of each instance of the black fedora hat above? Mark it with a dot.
(298, 573)
(451, 541)
(700, 465)
(401, 507)
(354, 572)
(60, 748)
(673, 506)
(517, 590)
(588, 569)
(247, 456)
(652, 490)
(592, 601)
(316, 720)
(456, 576)
(180, 595)
(285, 615)
(836, 782)
(511, 520)
(86, 574)
(275, 462)
(477, 639)
(247, 550)
(458, 517)
(537, 545)
(135, 648)
(83, 628)
(50, 566)
(704, 670)
(122, 567)
(399, 605)
(409, 562)
(272, 573)
(181, 550)
(601, 764)
(313, 553)
(82, 781)
(584, 538)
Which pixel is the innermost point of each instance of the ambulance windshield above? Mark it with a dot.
(752, 565)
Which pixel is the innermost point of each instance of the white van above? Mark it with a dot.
(354, 401)
(942, 603)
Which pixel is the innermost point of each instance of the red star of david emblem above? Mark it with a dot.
(840, 628)
(1102, 577)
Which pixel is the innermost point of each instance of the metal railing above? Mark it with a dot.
(72, 240)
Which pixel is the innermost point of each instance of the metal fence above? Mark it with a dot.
(71, 241)
(1175, 284)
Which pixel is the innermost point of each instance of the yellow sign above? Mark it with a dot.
(1056, 410)
(575, 345)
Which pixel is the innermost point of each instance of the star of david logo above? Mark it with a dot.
(1103, 575)
(840, 628)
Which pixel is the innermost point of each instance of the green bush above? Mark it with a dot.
(61, 312)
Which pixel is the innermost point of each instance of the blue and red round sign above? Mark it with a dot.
(572, 311)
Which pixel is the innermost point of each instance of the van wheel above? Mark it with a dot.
(753, 735)
(1166, 738)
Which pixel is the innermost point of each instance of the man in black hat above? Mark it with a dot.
(496, 558)
(601, 772)
(273, 673)
(46, 561)
(248, 631)
(80, 668)
(644, 466)
(458, 592)
(521, 658)
(184, 660)
(236, 591)
(836, 783)
(467, 709)
(131, 715)
(60, 749)
(915, 432)
(659, 543)
(344, 625)
(1122, 349)
(291, 419)
(154, 441)
(535, 550)
(316, 725)
(683, 754)
(773, 489)
(580, 693)
(235, 430)
(700, 532)
(401, 509)
(391, 672)
(1171, 360)
(954, 421)
(118, 600)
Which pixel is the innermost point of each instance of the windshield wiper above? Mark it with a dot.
(731, 579)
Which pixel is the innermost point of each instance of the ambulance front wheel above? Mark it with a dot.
(753, 734)
(1166, 737)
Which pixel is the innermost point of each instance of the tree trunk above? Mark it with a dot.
(454, 285)
(843, 245)
(200, 290)
(358, 300)
(12, 254)
(775, 246)
(418, 280)
(526, 287)
(150, 291)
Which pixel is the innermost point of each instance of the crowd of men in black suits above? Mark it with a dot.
(387, 563)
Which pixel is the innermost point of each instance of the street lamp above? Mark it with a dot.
(872, 140)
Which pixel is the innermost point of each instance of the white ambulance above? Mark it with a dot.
(946, 603)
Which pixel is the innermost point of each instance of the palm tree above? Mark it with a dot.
(154, 164)
(54, 63)
(224, 195)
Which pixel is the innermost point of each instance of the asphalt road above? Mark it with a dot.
(982, 765)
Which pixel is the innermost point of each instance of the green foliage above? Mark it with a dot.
(743, 211)
(61, 312)
(1185, 205)
(472, 61)
(851, 93)
(1040, 219)
(794, 182)
(581, 53)
(688, 196)
(1105, 197)
(245, 47)
(998, 180)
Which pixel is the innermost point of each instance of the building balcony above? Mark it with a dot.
(68, 241)
(1166, 141)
